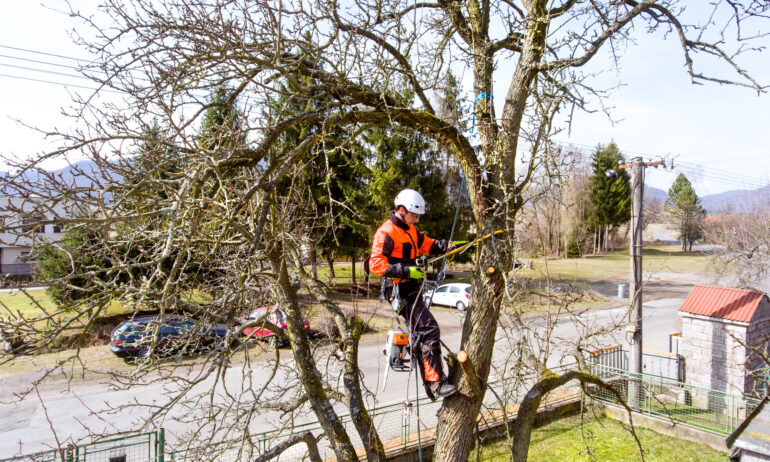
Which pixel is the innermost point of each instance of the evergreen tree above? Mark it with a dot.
(404, 159)
(685, 210)
(333, 180)
(609, 195)
(221, 124)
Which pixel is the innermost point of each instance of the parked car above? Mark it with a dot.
(173, 335)
(456, 294)
(276, 317)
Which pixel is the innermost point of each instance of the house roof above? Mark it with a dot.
(721, 302)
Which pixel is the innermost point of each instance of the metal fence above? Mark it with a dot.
(657, 363)
(703, 408)
(136, 447)
(398, 424)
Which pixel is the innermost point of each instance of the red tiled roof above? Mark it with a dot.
(721, 302)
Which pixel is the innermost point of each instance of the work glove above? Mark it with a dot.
(416, 273)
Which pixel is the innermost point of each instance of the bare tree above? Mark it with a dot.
(225, 222)
(742, 241)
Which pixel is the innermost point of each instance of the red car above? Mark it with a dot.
(276, 317)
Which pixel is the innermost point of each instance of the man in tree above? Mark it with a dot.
(394, 252)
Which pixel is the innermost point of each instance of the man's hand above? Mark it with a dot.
(416, 273)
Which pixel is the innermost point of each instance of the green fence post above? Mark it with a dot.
(160, 452)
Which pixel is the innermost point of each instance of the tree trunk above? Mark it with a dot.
(367, 272)
(350, 331)
(310, 377)
(613, 233)
(330, 262)
(314, 262)
(353, 267)
(594, 250)
(457, 416)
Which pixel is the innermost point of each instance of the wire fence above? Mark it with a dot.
(703, 408)
(400, 429)
(135, 447)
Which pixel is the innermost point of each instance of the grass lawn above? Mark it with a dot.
(566, 440)
(28, 303)
(657, 259)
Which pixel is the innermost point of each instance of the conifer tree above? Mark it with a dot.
(685, 210)
(610, 194)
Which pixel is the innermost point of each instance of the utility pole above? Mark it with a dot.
(635, 287)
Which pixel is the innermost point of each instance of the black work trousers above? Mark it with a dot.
(423, 328)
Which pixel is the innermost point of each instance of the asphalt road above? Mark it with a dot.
(69, 412)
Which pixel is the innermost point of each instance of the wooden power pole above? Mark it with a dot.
(635, 287)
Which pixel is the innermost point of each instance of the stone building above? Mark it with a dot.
(716, 324)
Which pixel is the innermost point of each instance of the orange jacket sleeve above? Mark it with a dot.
(378, 263)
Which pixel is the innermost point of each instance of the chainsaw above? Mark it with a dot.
(397, 353)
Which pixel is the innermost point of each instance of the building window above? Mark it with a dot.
(32, 224)
(56, 229)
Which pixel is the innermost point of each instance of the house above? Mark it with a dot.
(18, 239)
(720, 326)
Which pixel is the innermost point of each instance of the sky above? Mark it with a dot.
(716, 135)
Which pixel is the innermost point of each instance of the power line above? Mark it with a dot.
(43, 53)
(39, 62)
(44, 71)
(724, 174)
(61, 83)
(719, 175)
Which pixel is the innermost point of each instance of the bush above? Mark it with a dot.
(573, 249)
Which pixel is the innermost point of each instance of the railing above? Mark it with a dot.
(136, 447)
(397, 425)
(16, 269)
(657, 363)
(703, 408)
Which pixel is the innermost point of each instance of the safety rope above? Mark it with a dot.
(433, 285)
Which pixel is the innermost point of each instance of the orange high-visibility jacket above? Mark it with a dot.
(396, 246)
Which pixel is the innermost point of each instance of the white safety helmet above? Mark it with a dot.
(411, 200)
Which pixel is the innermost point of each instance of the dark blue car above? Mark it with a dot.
(173, 335)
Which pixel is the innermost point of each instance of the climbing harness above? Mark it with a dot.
(400, 348)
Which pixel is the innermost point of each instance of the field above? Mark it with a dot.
(601, 439)
(615, 266)
(30, 301)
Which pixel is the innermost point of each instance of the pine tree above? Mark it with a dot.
(610, 195)
(685, 210)
(221, 124)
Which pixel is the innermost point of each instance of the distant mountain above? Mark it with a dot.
(79, 174)
(736, 201)
(650, 192)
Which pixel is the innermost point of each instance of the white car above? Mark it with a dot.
(457, 294)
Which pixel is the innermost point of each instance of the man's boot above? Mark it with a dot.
(443, 389)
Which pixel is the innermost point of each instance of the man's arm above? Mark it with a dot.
(431, 246)
(382, 247)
